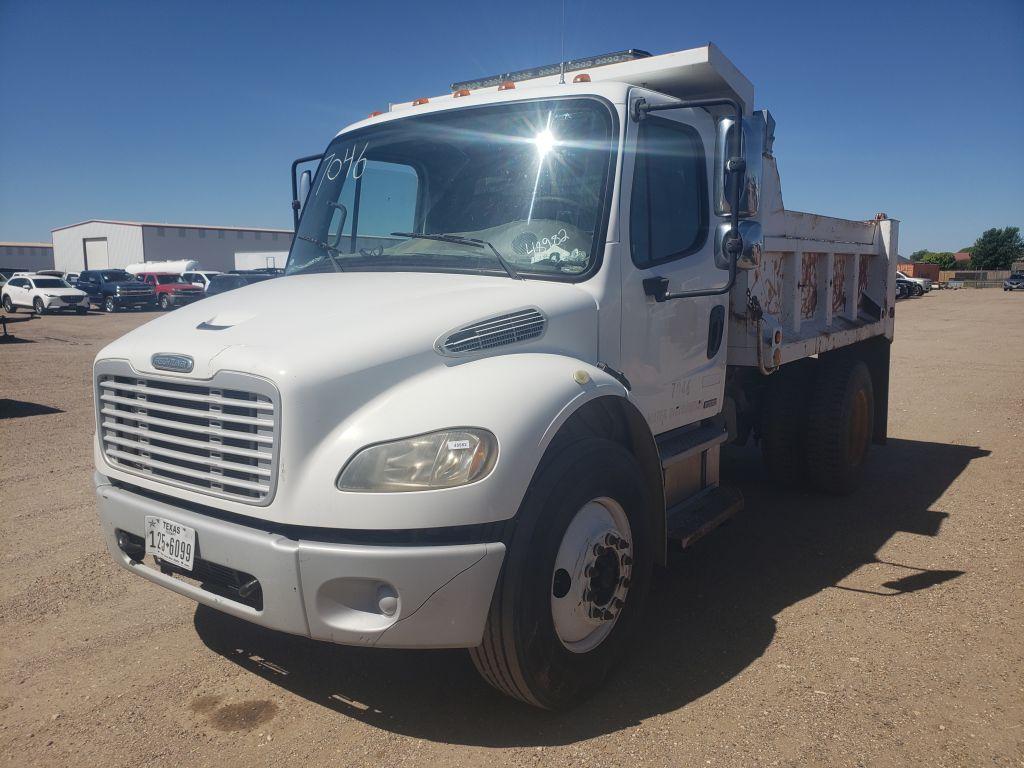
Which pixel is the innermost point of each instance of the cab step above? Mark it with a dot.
(702, 513)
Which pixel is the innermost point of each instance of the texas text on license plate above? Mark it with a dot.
(170, 541)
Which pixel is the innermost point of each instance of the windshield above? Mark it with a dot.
(50, 282)
(528, 180)
(165, 279)
(116, 276)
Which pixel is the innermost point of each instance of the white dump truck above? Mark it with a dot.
(520, 320)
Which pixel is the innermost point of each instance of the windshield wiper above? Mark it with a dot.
(470, 241)
(329, 250)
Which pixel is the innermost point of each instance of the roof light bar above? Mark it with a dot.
(553, 69)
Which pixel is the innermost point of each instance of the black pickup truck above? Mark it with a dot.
(115, 289)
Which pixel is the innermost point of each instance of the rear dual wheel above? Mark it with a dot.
(817, 425)
(840, 426)
(575, 574)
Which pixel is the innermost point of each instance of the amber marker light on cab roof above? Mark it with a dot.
(582, 78)
(375, 113)
(508, 85)
(424, 100)
(461, 92)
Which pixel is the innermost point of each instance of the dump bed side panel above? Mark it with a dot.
(823, 282)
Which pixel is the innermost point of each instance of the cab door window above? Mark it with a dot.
(669, 209)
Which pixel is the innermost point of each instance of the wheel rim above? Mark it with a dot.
(38, 307)
(110, 305)
(859, 426)
(590, 579)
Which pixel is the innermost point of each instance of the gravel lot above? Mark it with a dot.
(885, 629)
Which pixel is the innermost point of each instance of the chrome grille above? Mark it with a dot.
(215, 438)
(513, 327)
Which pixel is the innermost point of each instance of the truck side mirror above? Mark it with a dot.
(752, 146)
(753, 244)
(305, 184)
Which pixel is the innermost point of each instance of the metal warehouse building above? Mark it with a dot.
(99, 244)
(26, 256)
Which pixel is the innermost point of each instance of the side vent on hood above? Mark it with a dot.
(514, 327)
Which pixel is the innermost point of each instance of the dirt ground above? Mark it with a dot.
(884, 629)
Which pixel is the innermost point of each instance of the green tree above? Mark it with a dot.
(997, 248)
(944, 259)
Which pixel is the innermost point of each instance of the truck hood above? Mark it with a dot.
(309, 329)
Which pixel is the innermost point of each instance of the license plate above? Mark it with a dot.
(170, 541)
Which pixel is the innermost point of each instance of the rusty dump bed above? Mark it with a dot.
(822, 282)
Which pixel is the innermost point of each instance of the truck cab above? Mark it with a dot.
(530, 313)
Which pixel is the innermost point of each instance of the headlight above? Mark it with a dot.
(444, 459)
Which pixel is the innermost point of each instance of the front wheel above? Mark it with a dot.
(574, 579)
(38, 307)
(110, 305)
(165, 302)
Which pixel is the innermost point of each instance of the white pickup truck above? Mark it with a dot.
(519, 322)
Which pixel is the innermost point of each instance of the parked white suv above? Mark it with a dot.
(922, 284)
(42, 293)
(200, 278)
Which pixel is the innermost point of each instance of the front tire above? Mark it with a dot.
(9, 305)
(840, 426)
(574, 579)
(164, 302)
(38, 307)
(110, 305)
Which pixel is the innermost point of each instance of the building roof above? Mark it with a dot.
(29, 245)
(165, 224)
(962, 256)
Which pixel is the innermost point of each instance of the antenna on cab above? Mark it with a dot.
(561, 58)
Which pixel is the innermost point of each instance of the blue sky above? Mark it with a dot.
(191, 112)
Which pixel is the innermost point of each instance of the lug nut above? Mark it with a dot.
(611, 539)
(598, 550)
(622, 544)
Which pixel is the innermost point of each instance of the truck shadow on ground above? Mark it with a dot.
(711, 614)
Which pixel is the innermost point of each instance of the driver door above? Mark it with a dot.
(673, 352)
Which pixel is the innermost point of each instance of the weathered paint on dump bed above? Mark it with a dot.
(824, 282)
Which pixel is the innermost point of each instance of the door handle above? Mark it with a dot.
(656, 287)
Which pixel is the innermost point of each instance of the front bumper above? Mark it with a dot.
(181, 299)
(138, 300)
(321, 590)
(59, 303)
